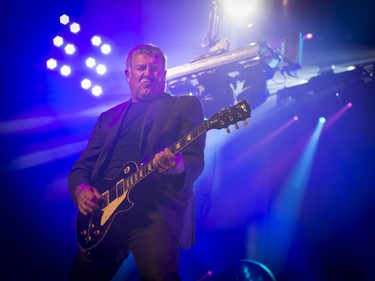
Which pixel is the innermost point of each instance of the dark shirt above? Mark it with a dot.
(127, 147)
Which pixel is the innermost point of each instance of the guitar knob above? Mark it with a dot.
(83, 232)
(96, 232)
(88, 239)
(227, 129)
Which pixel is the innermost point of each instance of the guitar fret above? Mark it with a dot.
(177, 146)
(201, 129)
(105, 199)
(120, 188)
(187, 139)
(112, 194)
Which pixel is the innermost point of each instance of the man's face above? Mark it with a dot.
(146, 77)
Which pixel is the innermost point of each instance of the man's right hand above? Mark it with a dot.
(87, 198)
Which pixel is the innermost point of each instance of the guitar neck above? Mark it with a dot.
(188, 138)
(177, 147)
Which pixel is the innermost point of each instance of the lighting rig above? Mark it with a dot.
(221, 76)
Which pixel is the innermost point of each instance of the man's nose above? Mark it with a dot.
(147, 71)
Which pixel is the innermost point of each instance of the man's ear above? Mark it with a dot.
(127, 75)
(165, 75)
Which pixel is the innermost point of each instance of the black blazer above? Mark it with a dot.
(167, 119)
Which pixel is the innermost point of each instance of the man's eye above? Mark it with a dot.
(144, 67)
(154, 67)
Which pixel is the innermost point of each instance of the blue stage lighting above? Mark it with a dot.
(322, 120)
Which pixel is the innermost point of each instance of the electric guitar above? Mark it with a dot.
(92, 229)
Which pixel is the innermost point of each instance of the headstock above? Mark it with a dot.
(230, 116)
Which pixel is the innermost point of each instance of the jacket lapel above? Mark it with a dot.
(153, 123)
(114, 126)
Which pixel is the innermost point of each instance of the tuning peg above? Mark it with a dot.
(236, 126)
(227, 129)
(245, 122)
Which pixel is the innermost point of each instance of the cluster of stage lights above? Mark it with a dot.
(322, 120)
(70, 49)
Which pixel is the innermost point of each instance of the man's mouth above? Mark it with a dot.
(146, 84)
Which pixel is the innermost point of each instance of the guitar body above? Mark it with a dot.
(93, 228)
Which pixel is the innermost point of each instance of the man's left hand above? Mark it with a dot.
(168, 163)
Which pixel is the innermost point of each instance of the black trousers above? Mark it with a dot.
(154, 247)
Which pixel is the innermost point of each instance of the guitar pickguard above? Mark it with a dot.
(92, 229)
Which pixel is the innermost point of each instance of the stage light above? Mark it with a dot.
(351, 67)
(70, 49)
(86, 84)
(246, 270)
(75, 28)
(239, 9)
(73, 56)
(90, 62)
(96, 40)
(295, 118)
(65, 70)
(106, 49)
(64, 19)
(51, 63)
(58, 41)
(208, 273)
(335, 117)
(96, 91)
(308, 36)
(340, 69)
(322, 120)
(101, 69)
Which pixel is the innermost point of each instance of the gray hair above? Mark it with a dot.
(146, 49)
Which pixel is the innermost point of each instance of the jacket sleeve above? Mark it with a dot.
(82, 169)
(193, 155)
